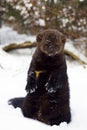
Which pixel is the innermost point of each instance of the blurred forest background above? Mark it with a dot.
(33, 16)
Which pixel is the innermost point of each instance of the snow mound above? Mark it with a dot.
(13, 75)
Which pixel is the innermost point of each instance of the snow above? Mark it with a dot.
(8, 35)
(13, 80)
(13, 75)
(69, 46)
(41, 22)
(81, 0)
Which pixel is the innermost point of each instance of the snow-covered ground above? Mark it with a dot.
(13, 74)
(8, 35)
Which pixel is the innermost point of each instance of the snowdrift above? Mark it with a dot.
(13, 75)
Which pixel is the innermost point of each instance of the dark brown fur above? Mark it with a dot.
(47, 99)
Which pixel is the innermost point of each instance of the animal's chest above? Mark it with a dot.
(42, 77)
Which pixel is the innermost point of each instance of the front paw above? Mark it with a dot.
(50, 88)
(53, 86)
(31, 83)
(31, 87)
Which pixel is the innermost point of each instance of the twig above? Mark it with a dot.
(75, 57)
(34, 44)
(19, 46)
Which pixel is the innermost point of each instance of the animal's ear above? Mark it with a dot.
(39, 37)
(63, 38)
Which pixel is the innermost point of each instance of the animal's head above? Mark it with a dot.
(51, 42)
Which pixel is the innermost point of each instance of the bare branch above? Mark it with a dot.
(34, 44)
